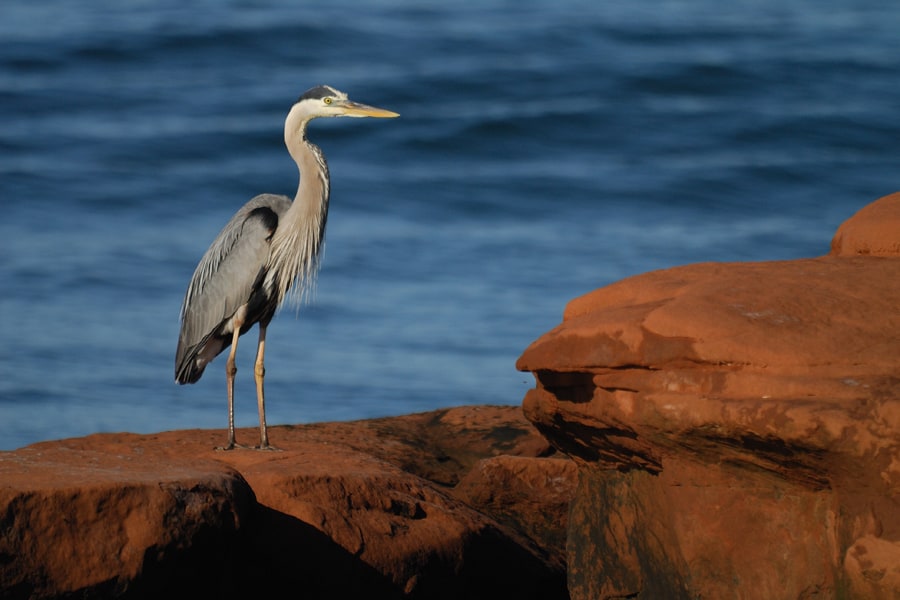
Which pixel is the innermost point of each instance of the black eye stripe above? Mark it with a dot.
(319, 92)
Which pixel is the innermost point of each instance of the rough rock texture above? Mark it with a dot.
(369, 509)
(736, 426)
(872, 231)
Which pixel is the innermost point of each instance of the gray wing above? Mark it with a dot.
(224, 280)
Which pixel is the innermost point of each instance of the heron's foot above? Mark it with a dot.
(233, 446)
(268, 448)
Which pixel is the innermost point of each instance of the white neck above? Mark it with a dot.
(297, 241)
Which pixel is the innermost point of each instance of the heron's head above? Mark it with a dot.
(325, 101)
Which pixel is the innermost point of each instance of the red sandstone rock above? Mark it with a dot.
(873, 231)
(737, 426)
(506, 486)
(78, 517)
(345, 510)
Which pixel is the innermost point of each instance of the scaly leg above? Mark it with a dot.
(260, 373)
(230, 372)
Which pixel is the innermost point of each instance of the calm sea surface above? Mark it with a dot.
(545, 149)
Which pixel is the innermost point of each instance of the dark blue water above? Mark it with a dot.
(544, 149)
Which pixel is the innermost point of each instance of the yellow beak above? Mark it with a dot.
(355, 109)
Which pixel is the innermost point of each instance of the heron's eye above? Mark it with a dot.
(326, 100)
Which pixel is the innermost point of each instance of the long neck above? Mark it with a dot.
(298, 239)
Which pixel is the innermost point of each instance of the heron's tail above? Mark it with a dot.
(190, 362)
(188, 372)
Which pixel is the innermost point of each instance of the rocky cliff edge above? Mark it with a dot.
(736, 425)
(458, 503)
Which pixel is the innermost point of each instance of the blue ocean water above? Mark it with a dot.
(545, 148)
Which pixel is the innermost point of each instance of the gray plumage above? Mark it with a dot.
(230, 274)
(268, 249)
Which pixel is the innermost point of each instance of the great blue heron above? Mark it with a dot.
(269, 245)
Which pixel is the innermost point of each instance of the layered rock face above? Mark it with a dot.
(736, 426)
(458, 503)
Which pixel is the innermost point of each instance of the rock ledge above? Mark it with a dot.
(738, 423)
(455, 503)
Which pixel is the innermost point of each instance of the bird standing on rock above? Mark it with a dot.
(268, 246)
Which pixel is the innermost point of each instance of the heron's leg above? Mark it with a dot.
(230, 372)
(259, 372)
